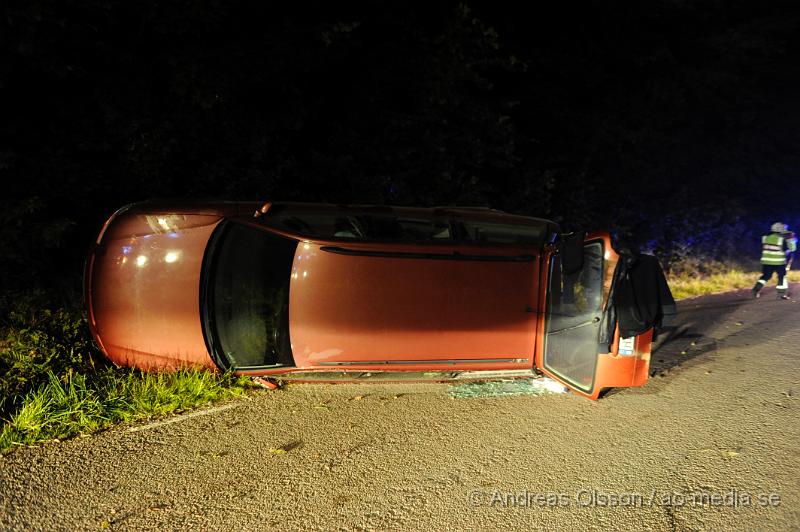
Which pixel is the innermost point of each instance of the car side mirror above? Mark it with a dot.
(570, 246)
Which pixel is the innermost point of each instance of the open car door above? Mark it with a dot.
(574, 302)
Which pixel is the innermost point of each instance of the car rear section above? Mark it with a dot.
(142, 285)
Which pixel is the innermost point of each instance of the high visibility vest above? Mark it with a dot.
(774, 247)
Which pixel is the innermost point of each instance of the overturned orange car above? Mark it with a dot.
(337, 292)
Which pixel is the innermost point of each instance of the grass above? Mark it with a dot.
(690, 285)
(54, 384)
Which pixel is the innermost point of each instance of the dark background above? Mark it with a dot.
(673, 123)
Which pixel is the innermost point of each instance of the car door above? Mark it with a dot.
(574, 302)
(413, 306)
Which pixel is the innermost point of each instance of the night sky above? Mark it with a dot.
(675, 124)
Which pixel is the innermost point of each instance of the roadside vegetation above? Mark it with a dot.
(686, 284)
(54, 384)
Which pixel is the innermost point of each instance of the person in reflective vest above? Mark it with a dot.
(777, 251)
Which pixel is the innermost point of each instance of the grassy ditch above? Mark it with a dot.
(689, 285)
(54, 384)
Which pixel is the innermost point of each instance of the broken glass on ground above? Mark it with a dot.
(501, 388)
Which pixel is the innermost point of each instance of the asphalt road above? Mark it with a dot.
(711, 442)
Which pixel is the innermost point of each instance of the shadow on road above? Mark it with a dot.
(676, 346)
(706, 323)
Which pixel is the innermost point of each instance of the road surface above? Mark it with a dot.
(711, 442)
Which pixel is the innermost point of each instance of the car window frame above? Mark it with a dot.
(207, 276)
(454, 221)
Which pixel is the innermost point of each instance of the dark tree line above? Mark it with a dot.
(674, 123)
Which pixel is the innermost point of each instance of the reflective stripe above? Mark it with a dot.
(762, 281)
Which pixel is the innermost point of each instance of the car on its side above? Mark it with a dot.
(335, 292)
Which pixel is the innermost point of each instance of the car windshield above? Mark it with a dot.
(247, 303)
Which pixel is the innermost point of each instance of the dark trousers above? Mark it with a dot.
(766, 274)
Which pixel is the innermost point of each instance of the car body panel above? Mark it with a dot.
(401, 307)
